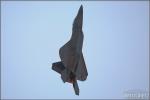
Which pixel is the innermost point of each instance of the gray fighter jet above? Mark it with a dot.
(72, 65)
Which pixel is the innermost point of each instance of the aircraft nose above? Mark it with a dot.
(79, 18)
(81, 9)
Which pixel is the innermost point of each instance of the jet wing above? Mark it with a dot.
(69, 57)
(73, 61)
(81, 71)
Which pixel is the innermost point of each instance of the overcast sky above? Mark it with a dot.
(115, 48)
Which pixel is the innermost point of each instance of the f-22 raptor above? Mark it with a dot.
(72, 65)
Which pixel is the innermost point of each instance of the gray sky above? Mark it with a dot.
(115, 48)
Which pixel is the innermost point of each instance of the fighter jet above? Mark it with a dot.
(72, 65)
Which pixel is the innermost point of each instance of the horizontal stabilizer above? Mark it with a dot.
(58, 67)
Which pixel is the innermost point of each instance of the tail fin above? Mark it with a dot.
(65, 75)
(76, 88)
